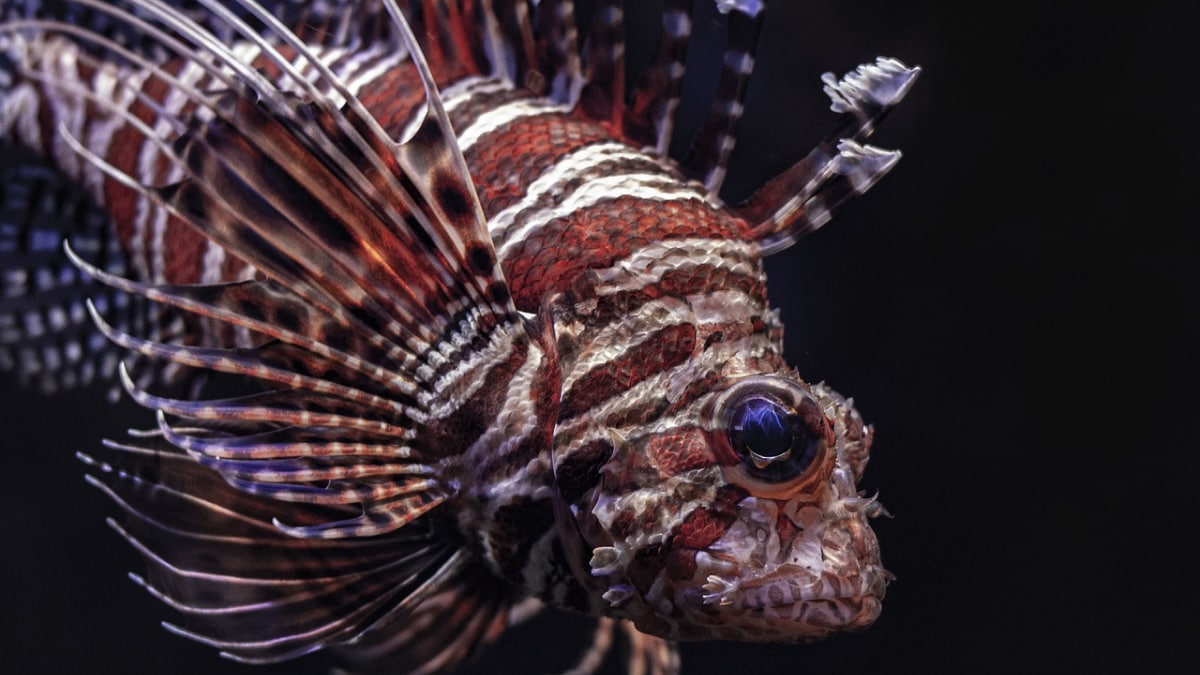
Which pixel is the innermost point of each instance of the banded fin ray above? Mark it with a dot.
(561, 69)
(603, 96)
(650, 116)
(269, 311)
(800, 199)
(708, 157)
(240, 584)
(804, 197)
(535, 47)
(647, 116)
(384, 239)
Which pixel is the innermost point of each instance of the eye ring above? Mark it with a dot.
(776, 433)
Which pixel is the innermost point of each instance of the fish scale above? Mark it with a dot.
(476, 315)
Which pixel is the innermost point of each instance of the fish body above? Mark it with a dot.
(491, 344)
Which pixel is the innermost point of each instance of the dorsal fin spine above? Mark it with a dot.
(604, 94)
(708, 159)
(803, 198)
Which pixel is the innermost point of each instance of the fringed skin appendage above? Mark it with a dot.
(803, 198)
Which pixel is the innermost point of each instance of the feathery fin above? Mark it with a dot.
(378, 267)
(262, 596)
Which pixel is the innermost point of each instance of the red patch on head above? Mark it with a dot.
(680, 450)
(623, 525)
(681, 564)
(786, 528)
(730, 494)
(661, 351)
(700, 529)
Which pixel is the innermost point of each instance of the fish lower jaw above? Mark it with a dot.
(825, 601)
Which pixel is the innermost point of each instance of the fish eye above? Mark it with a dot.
(775, 442)
(776, 431)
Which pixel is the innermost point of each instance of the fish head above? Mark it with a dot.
(746, 525)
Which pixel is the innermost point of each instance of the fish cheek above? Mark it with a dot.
(646, 566)
(680, 450)
(700, 529)
(579, 471)
(681, 564)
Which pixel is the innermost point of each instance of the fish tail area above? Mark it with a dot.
(70, 75)
(409, 601)
(47, 339)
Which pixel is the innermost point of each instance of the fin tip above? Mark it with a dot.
(750, 8)
(882, 83)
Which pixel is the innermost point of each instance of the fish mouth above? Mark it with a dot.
(790, 585)
(792, 604)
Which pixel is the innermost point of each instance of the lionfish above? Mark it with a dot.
(458, 339)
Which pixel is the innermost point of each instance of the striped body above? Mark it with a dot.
(543, 174)
(549, 357)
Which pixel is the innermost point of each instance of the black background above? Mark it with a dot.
(1014, 308)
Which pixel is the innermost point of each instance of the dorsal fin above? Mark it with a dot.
(449, 36)
(557, 49)
(708, 158)
(603, 97)
(650, 117)
(518, 62)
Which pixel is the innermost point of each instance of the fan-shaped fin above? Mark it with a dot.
(380, 277)
(242, 585)
(461, 611)
(306, 335)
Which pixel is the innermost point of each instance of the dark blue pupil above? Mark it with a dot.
(764, 428)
